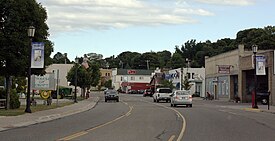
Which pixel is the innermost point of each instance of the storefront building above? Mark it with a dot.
(230, 75)
(221, 74)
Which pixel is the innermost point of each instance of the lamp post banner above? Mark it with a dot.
(37, 56)
(260, 65)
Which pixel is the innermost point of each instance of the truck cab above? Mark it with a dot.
(162, 94)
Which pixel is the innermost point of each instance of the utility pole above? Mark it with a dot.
(65, 55)
(147, 61)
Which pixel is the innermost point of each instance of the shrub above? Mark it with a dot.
(2, 94)
(14, 100)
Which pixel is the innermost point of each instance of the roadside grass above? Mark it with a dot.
(38, 107)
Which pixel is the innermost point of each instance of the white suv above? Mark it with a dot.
(162, 94)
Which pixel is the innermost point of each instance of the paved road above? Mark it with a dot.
(137, 118)
(131, 119)
(216, 121)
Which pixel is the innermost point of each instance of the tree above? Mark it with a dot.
(108, 84)
(85, 77)
(167, 84)
(177, 61)
(164, 58)
(60, 58)
(186, 84)
(152, 59)
(264, 38)
(15, 18)
(125, 58)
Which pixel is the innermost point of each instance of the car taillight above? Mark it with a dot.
(190, 97)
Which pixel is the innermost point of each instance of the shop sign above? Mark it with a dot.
(224, 69)
(131, 71)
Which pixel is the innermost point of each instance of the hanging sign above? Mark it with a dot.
(260, 65)
(37, 55)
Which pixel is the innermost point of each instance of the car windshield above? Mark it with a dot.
(165, 91)
(111, 92)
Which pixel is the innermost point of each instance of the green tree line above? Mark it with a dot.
(191, 50)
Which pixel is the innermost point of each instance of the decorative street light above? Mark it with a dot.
(75, 80)
(31, 31)
(254, 95)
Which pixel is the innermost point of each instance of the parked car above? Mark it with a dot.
(162, 94)
(141, 91)
(132, 91)
(148, 92)
(111, 95)
(263, 97)
(181, 97)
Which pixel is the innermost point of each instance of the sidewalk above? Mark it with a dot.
(241, 106)
(9, 122)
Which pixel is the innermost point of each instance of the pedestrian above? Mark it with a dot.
(49, 100)
(88, 94)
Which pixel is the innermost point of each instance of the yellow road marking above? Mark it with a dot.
(179, 114)
(172, 138)
(252, 109)
(81, 133)
(73, 136)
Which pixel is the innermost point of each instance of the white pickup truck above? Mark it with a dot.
(162, 94)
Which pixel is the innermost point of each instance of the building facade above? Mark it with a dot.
(231, 75)
(105, 75)
(63, 71)
(131, 79)
(195, 76)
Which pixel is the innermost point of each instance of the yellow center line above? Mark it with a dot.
(81, 133)
(172, 138)
(179, 114)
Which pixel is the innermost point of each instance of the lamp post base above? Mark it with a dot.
(255, 107)
(28, 111)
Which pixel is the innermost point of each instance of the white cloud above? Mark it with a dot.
(228, 2)
(75, 15)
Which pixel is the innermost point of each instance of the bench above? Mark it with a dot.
(2, 103)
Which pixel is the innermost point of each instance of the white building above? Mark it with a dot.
(131, 79)
(196, 77)
(63, 71)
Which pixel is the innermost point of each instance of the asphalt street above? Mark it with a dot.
(138, 118)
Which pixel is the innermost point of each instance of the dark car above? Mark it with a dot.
(132, 91)
(111, 95)
(148, 92)
(263, 97)
(141, 91)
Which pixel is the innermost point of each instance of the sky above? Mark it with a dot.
(110, 27)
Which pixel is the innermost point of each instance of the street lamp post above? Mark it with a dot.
(75, 80)
(31, 31)
(254, 95)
